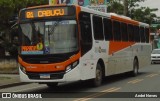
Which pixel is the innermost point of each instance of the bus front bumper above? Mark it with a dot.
(72, 75)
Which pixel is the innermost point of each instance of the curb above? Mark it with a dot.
(2, 72)
(13, 84)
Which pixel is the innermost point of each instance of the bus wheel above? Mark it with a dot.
(97, 81)
(52, 85)
(135, 68)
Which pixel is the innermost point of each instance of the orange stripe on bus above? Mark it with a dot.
(48, 67)
(117, 46)
(125, 20)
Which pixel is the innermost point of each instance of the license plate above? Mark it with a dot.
(45, 76)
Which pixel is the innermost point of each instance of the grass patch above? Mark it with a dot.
(4, 78)
(8, 69)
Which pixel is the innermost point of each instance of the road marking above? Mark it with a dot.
(135, 81)
(108, 89)
(151, 75)
(89, 97)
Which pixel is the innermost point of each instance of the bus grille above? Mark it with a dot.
(52, 76)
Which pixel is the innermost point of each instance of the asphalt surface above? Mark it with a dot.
(114, 88)
(10, 80)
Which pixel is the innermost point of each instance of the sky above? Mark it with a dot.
(152, 4)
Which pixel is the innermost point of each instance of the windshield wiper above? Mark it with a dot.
(52, 28)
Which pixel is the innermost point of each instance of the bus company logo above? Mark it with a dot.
(100, 50)
(6, 95)
(31, 67)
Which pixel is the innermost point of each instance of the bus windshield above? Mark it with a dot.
(49, 37)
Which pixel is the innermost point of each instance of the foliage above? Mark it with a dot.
(143, 14)
(134, 3)
(116, 7)
(158, 27)
(9, 10)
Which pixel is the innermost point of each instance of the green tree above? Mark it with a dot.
(8, 10)
(143, 14)
(115, 7)
(119, 6)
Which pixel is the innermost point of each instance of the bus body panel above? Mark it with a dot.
(122, 60)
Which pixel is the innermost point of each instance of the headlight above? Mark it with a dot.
(70, 67)
(75, 64)
(22, 69)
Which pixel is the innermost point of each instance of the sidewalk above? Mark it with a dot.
(9, 80)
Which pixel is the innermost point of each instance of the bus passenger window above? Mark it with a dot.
(108, 29)
(143, 37)
(136, 34)
(116, 31)
(86, 32)
(98, 28)
(147, 34)
(124, 32)
(131, 32)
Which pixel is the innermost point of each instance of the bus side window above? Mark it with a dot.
(108, 29)
(124, 32)
(131, 32)
(86, 32)
(147, 34)
(136, 34)
(116, 31)
(143, 37)
(98, 28)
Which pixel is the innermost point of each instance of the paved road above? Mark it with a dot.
(147, 82)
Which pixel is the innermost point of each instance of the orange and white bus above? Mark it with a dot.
(65, 43)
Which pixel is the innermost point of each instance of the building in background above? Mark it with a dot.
(100, 5)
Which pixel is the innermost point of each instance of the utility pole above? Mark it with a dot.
(125, 12)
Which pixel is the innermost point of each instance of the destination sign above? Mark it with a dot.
(47, 12)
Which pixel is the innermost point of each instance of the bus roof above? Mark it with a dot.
(115, 16)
